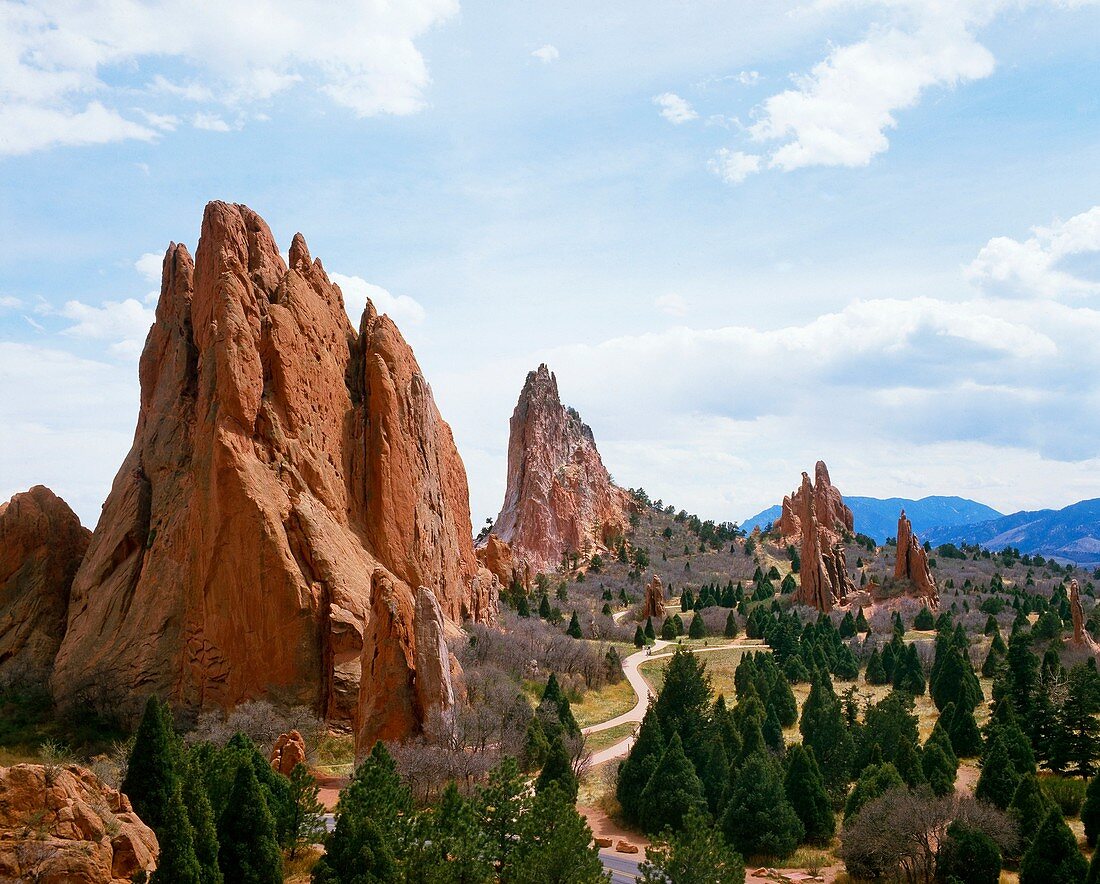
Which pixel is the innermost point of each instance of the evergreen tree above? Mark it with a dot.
(668, 630)
(375, 793)
(876, 780)
(998, 780)
(1016, 742)
(805, 790)
(772, 732)
(924, 620)
(824, 731)
(649, 633)
(151, 774)
(968, 855)
(875, 673)
(501, 803)
(203, 828)
(273, 785)
(544, 607)
(966, 739)
(758, 817)
(638, 766)
(939, 772)
(698, 628)
(673, 791)
(459, 849)
(1076, 734)
(908, 672)
(714, 770)
(248, 851)
(305, 820)
(176, 862)
(554, 845)
(1053, 857)
(862, 626)
(558, 769)
(731, 626)
(1093, 876)
(1090, 811)
(683, 703)
(907, 760)
(535, 745)
(695, 855)
(1029, 807)
(574, 628)
(847, 627)
(639, 637)
(554, 700)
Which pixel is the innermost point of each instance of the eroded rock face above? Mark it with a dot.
(288, 752)
(654, 604)
(496, 556)
(823, 575)
(290, 485)
(1081, 637)
(912, 564)
(560, 498)
(64, 826)
(832, 514)
(41, 546)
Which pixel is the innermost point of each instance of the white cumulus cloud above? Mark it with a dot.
(733, 166)
(547, 53)
(400, 308)
(122, 324)
(675, 109)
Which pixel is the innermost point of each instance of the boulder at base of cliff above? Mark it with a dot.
(63, 825)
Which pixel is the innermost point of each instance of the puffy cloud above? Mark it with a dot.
(733, 166)
(1032, 268)
(149, 266)
(675, 109)
(54, 55)
(839, 113)
(123, 324)
(210, 122)
(547, 53)
(400, 308)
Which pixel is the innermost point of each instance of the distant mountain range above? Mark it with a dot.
(1072, 533)
(878, 518)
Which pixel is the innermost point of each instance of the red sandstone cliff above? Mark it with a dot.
(41, 546)
(290, 486)
(824, 581)
(560, 497)
(912, 564)
(832, 514)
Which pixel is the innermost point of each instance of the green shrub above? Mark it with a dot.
(1068, 794)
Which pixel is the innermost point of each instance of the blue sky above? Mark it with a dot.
(744, 235)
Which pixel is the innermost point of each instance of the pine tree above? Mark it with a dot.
(203, 828)
(1090, 811)
(876, 780)
(639, 637)
(460, 852)
(574, 628)
(924, 620)
(248, 851)
(1093, 876)
(1053, 857)
(673, 791)
(649, 633)
(939, 772)
(535, 745)
(638, 767)
(500, 804)
(805, 790)
(698, 628)
(875, 673)
(772, 732)
(151, 774)
(697, 854)
(377, 793)
(862, 626)
(554, 845)
(554, 699)
(558, 769)
(544, 607)
(305, 819)
(714, 770)
(731, 626)
(758, 817)
(683, 703)
(966, 739)
(968, 855)
(998, 780)
(176, 863)
(1029, 807)
(907, 760)
(823, 730)
(668, 630)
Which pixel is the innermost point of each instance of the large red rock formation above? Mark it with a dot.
(62, 825)
(654, 604)
(41, 545)
(823, 573)
(833, 515)
(560, 498)
(912, 564)
(1081, 637)
(496, 555)
(290, 487)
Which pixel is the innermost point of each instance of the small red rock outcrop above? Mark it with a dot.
(62, 825)
(288, 752)
(41, 546)
(559, 498)
(824, 581)
(1081, 637)
(290, 486)
(832, 514)
(496, 556)
(912, 564)
(654, 604)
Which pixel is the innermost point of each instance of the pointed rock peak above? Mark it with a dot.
(299, 254)
(912, 564)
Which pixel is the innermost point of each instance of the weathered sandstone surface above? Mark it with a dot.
(912, 564)
(832, 514)
(823, 574)
(654, 604)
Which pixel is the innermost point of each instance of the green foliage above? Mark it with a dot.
(924, 620)
(1053, 857)
(939, 772)
(731, 629)
(203, 828)
(998, 780)
(1068, 794)
(558, 769)
(1090, 811)
(824, 731)
(151, 775)
(758, 818)
(695, 855)
(969, 856)
(574, 628)
(698, 628)
(673, 791)
(305, 823)
(536, 746)
(554, 845)
(683, 704)
(248, 851)
(176, 863)
(639, 637)
(1029, 807)
(638, 766)
(500, 804)
(875, 673)
(454, 848)
(806, 792)
(876, 780)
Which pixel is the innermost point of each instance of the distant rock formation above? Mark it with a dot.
(912, 564)
(560, 498)
(290, 487)
(824, 581)
(496, 556)
(654, 604)
(62, 825)
(288, 752)
(832, 514)
(1081, 637)
(41, 546)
